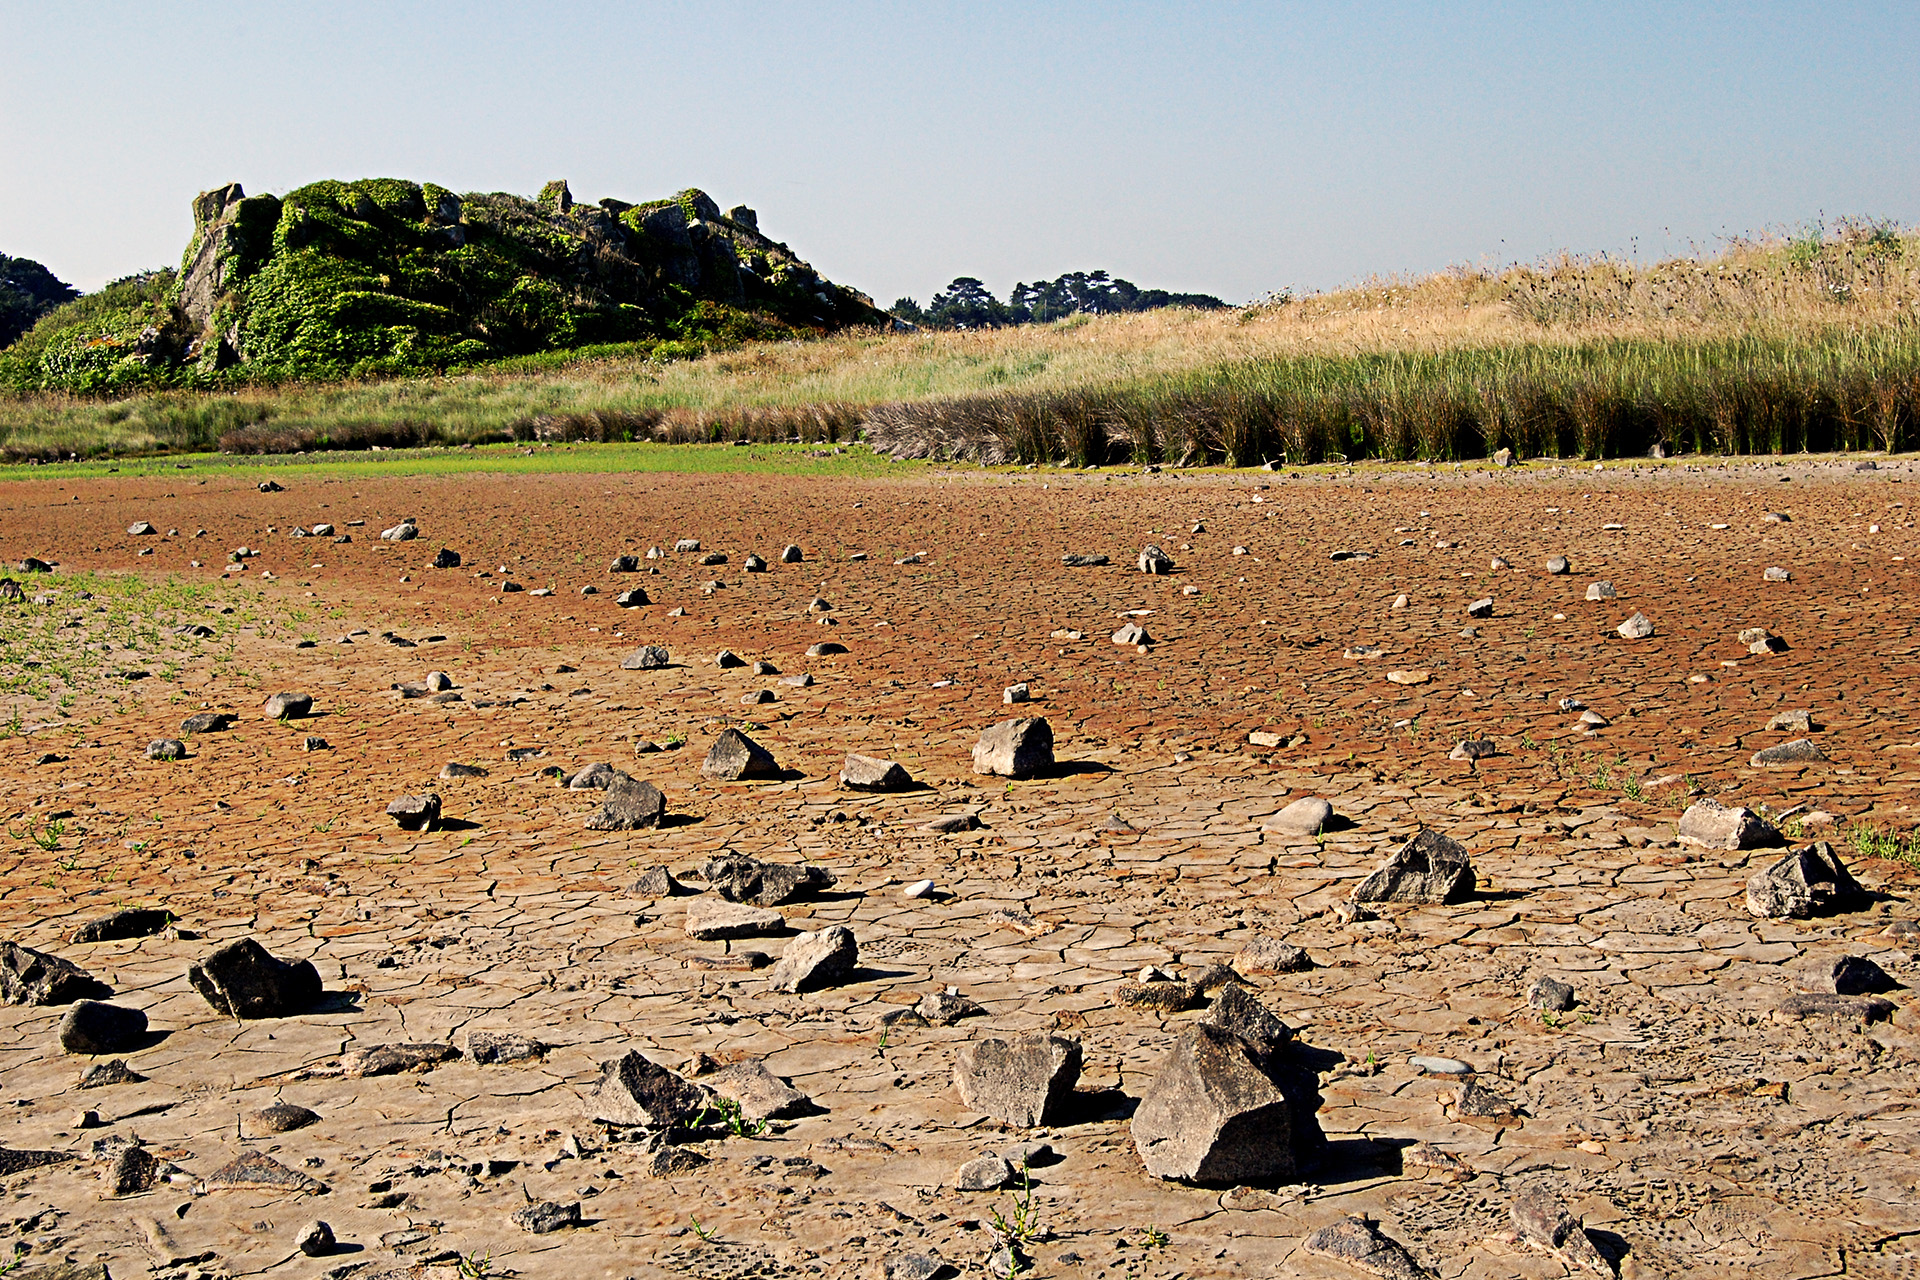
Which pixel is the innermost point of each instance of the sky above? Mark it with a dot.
(1233, 149)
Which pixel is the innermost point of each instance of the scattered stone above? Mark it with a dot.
(406, 531)
(289, 706)
(32, 977)
(1264, 955)
(636, 1091)
(1155, 561)
(1844, 976)
(242, 980)
(1638, 627)
(140, 528)
(761, 1094)
(1792, 722)
(1776, 574)
(1086, 561)
(1805, 880)
(1482, 608)
(315, 1239)
(985, 1173)
(728, 658)
(256, 1171)
(311, 743)
(791, 554)
(870, 773)
(1214, 1115)
(624, 564)
(914, 1266)
(1713, 825)
(944, 1008)
(735, 757)
(1400, 601)
(1022, 1082)
(1434, 1066)
(1474, 1101)
(1796, 751)
(1424, 1160)
(546, 1217)
(1239, 1014)
(825, 649)
(1132, 633)
(394, 1059)
(948, 824)
(90, 1026)
(1409, 677)
(918, 889)
(650, 658)
(633, 598)
(131, 1170)
(282, 1117)
(166, 749)
(1813, 1004)
(1161, 996)
(206, 722)
(415, 813)
(1015, 748)
(500, 1048)
(1307, 816)
(753, 564)
(1360, 1244)
(672, 1162)
(111, 1072)
(1430, 868)
(823, 958)
(1543, 1221)
(133, 922)
(444, 558)
(631, 805)
(1558, 565)
(1015, 693)
(1550, 994)
(1602, 590)
(1472, 749)
(711, 920)
(454, 769)
(762, 667)
(1264, 738)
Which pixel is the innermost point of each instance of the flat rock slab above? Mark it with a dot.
(254, 1170)
(712, 920)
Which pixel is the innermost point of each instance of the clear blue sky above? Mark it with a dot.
(1231, 149)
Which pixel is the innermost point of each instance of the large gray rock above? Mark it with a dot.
(1307, 816)
(1796, 751)
(1214, 1114)
(648, 658)
(630, 806)
(870, 773)
(289, 706)
(811, 961)
(415, 813)
(1803, 881)
(90, 1026)
(39, 978)
(1022, 1082)
(1717, 826)
(1359, 1244)
(1543, 1221)
(761, 1094)
(1841, 976)
(735, 757)
(636, 1091)
(1430, 868)
(242, 980)
(739, 878)
(1015, 748)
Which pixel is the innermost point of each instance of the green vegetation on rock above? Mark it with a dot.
(385, 277)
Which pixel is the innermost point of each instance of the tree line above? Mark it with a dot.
(967, 303)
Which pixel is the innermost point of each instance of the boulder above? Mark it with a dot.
(823, 958)
(1015, 748)
(89, 1026)
(1638, 627)
(242, 980)
(1430, 868)
(1842, 976)
(1023, 1082)
(1307, 816)
(595, 777)
(1542, 1220)
(316, 1239)
(1803, 881)
(1795, 751)
(289, 706)
(870, 773)
(635, 1091)
(712, 921)
(282, 1117)
(405, 531)
(735, 757)
(728, 658)
(1359, 1244)
(1154, 560)
(1792, 722)
(738, 878)
(630, 805)
(634, 598)
(1717, 826)
(1214, 1115)
(444, 558)
(648, 658)
(38, 978)
(791, 554)
(132, 922)
(761, 1094)
(624, 564)
(657, 882)
(415, 813)
(984, 1173)
(1264, 955)
(166, 749)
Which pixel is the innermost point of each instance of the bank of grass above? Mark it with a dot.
(1805, 342)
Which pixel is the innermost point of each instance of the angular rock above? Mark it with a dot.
(89, 1026)
(1543, 1221)
(1430, 868)
(636, 1091)
(672, 1162)
(1424, 1160)
(791, 554)
(131, 1170)
(763, 884)
(1551, 995)
(1472, 749)
(753, 564)
(1815, 1004)
(316, 1239)
(1844, 976)
(630, 805)
(624, 564)
(728, 658)
(944, 1008)
(415, 813)
(1164, 997)
(825, 649)
(453, 770)
(1307, 816)
(712, 921)
(761, 1094)
(1638, 627)
(1601, 590)
(1473, 1100)
(1360, 1245)
(289, 706)
(1775, 573)
(1016, 693)
(1214, 1115)
(39, 978)
(1085, 561)
(140, 528)
(1023, 1082)
(132, 922)
(1716, 826)
(649, 658)
(687, 544)
(1264, 955)
(634, 598)
(256, 1171)
(111, 1072)
(952, 823)
(1154, 560)
(1015, 748)
(166, 749)
(1482, 608)
(206, 722)
(1796, 751)
(502, 1048)
(656, 883)
(1792, 722)
(282, 1117)
(394, 1059)
(444, 558)
(870, 773)
(546, 1217)
(735, 757)
(405, 531)
(1132, 633)
(595, 777)
(823, 958)
(914, 1266)
(985, 1173)
(242, 980)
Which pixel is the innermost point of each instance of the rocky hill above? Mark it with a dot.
(384, 276)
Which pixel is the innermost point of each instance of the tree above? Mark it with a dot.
(27, 292)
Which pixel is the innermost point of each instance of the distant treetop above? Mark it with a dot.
(27, 292)
(968, 304)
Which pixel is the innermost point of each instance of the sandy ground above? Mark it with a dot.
(1694, 1127)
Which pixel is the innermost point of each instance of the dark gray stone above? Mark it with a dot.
(870, 773)
(242, 980)
(1214, 1115)
(89, 1026)
(1084, 561)
(1803, 881)
(166, 749)
(738, 878)
(1845, 976)
(1542, 1220)
(984, 1173)
(206, 722)
(133, 922)
(415, 813)
(656, 883)
(546, 1217)
(40, 978)
(1430, 868)
(1551, 995)
(1797, 751)
(282, 1117)
(636, 1091)
(650, 658)
(630, 805)
(394, 1059)
(1359, 1244)
(1155, 561)
(624, 564)
(1023, 1082)
(735, 757)
(500, 1048)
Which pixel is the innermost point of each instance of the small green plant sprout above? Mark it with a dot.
(46, 835)
(736, 1120)
(1155, 1238)
(475, 1266)
(705, 1233)
(1871, 842)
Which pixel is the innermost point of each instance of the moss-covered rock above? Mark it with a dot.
(386, 276)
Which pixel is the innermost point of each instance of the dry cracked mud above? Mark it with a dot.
(1694, 1127)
